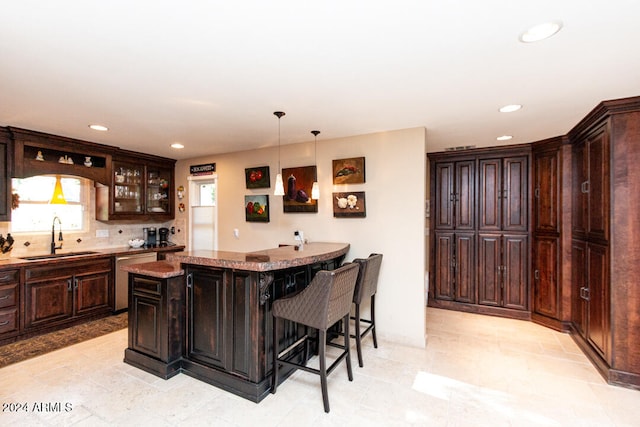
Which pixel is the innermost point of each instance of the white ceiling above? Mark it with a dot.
(209, 74)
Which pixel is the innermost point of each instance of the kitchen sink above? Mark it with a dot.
(55, 256)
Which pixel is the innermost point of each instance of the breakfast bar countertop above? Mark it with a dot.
(264, 260)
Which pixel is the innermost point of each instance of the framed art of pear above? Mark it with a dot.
(297, 189)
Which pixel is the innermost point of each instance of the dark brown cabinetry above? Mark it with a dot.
(156, 322)
(37, 153)
(503, 194)
(58, 294)
(5, 176)
(9, 303)
(480, 226)
(550, 240)
(142, 188)
(605, 297)
(502, 276)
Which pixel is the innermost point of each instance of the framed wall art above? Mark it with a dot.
(349, 205)
(297, 189)
(257, 177)
(256, 208)
(349, 171)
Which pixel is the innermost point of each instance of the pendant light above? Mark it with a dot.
(315, 189)
(58, 196)
(279, 191)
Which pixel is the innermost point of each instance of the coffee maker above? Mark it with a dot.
(163, 234)
(149, 235)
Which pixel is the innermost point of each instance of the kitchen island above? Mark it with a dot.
(208, 313)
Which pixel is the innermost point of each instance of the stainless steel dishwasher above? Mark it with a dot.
(122, 277)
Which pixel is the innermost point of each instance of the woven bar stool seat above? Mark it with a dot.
(320, 305)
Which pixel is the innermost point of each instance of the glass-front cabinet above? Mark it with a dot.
(158, 194)
(128, 191)
(141, 189)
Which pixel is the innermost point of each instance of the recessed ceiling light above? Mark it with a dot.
(177, 145)
(540, 32)
(504, 138)
(101, 128)
(510, 108)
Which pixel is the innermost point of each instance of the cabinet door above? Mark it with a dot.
(489, 269)
(546, 293)
(514, 271)
(5, 180)
(598, 329)
(598, 185)
(207, 313)
(240, 321)
(579, 191)
(128, 189)
(158, 190)
(546, 192)
(514, 194)
(92, 292)
(445, 194)
(147, 320)
(464, 196)
(445, 268)
(578, 279)
(490, 194)
(48, 301)
(465, 271)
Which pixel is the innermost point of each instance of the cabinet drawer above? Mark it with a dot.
(8, 295)
(8, 320)
(9, 276)
(66, 269)
(147, 286)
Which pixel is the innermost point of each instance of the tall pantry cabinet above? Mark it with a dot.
(480, 226)
(551, 235)
(605, 255)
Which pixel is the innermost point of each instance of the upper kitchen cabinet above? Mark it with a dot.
(5, 173)
(503, 193)
(37, 153)
(141, 189)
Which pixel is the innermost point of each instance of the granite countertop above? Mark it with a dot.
(264, 260)
(158, 269)
(18, 261)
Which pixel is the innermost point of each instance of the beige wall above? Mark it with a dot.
(394, 225)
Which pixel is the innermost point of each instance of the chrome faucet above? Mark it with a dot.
(53, 235)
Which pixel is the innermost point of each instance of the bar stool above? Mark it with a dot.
(323, 303)
(366, 287)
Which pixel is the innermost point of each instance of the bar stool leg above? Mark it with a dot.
(373, 320)
(274, 384)
(323, 368)
(357, 336)
(346, 346)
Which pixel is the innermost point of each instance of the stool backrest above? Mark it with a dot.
(344, 284)
(367, 284)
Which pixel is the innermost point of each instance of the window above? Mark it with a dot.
(35, 214)
(207, 194)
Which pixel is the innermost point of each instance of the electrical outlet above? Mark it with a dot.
(236, 233)
(102, 233)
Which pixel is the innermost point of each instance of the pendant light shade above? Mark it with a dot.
(58, 196)
(315, 188)
(279, 190)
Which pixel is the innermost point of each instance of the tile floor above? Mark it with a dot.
(475, 371)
